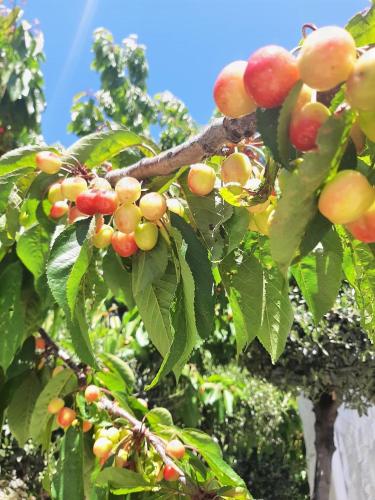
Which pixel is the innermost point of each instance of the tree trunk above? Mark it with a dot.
(325, 413)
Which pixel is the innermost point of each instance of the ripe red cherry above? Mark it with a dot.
(86, 202)
(106, 202)
(65, 417)
(124, 244)
(58, 209)
(40, 344)
(270, 75)
(363, 229)
(170, 473)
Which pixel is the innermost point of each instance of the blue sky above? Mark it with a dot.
(188, 42)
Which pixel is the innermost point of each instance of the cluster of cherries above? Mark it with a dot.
(137, 225)
(326, 59)
(112, 440)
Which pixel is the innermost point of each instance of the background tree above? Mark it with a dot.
(21, 82)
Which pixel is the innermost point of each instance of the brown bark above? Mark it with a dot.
(325, 413)
(196, 149)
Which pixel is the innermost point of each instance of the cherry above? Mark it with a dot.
(55, 193)
(146, 235)
(86, 202)
(58, 209)
(65, 417)
(86, 426)
(363, 229)
(201, 179)
(102, 447)
(101, 184)
(305, 125)
(92, 393)
(270, 75)
(327, 57)
(74, 214)
(360, 87)
(55, 405)
(48, 162)
(366, 120)
(153, 206)
(230, 95)
(127, 217)
(175, 449)
(170, 473)
(346, 197)
(128, 190)
(71, 187)
(40, 344)
(236, 168)
(124, 244)
(102, 238)
(106, 202)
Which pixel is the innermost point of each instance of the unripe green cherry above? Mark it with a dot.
(201, 179)
(113, 434)
(146, 235)
(366, 121)
(153, 206)
(71, 187)
(55, 405)
(127, 218)
(236, 168)
(103, 237)
(55, 193)
(128, 190)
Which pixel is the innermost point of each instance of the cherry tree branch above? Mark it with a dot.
(205, 144)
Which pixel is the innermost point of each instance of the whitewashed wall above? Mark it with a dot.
(353, 463)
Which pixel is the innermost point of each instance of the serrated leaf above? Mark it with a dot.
(243, 284)
(208, 214)
(20, 158)
(236, 228)
(94, 149)
(200, 266)
(267, 123)
(319, 275)
(76, 275)
(285, 150)
(33, 249)
(79, 332)
(277, 314)
(21, 408)
(159, 416)
(211, 453)
(11, 313)
(183, 317)
(297, 205)
(118, 279)
(7, 182)
(362, 27)
(122, 369)
(57, 386)
(127, 480)
(67, 483)
(150, 266)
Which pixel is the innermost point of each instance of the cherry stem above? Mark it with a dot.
(307, 26)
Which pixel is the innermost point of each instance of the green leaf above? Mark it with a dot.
(117, 278)
(11, 313)
(58, 386)
(78, 329)
(122, 369)
(243, 282)
(297, 205)
(317, 228)
(159, 416)
(319, 275)
(127, 480)
(208, 214)
(21, 408)
(200, 266)
(94, 149)
(150, 266)
(76, 275)
(33, 249)
(7, 182)
(65, 252)
(277, 316)
(267, 125)
(284, 147)
(362, 27)
(183, 318)
(236, 228)
(154, 305)
(211, 453)
(20, 158)
(67, 483)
